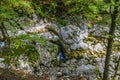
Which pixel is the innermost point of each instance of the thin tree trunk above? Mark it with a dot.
(4, 31)
(110, 42)
(116, 69)
(5, 35)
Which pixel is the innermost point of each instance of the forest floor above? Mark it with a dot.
(10, 74)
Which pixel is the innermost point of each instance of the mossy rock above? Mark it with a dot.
(80, 53)
(116, 46)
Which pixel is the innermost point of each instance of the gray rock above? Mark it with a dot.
(2, 44)
(20, 32)
(45, 53)
(2, 59)
(53, 73)
(83, 45)
(70, 34)
(97, 60)
(98, 47)
(86, 69)
(117, 55)
(2, 65)
(101, 68)
(73, 36)
(72, 61)
(24, 64)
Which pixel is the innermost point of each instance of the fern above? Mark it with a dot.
(31, 37)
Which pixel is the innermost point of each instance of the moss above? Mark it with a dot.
(116, 46)
(53, 48)
(1, 73)
(56, 63)
(91, 39)
(76, 53)
(81, 52)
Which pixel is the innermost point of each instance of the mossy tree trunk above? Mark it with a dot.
(110, 41)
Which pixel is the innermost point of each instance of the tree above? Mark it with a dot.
(13, 9)
(110, 40)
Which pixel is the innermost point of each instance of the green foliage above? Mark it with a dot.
(21, 48)
(10, 9)
(38, 10)
(17, 44)
(31, 37)
(57, 10)
(22, 6)
(31, 53)
(6, 12)
(12, 54)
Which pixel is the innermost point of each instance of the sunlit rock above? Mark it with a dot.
(98, 47)
(73, 36)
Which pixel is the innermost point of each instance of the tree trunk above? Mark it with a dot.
(116, 69)
(4, 31)
(110, 42)
(5, 35)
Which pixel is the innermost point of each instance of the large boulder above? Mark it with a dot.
(73, 36)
